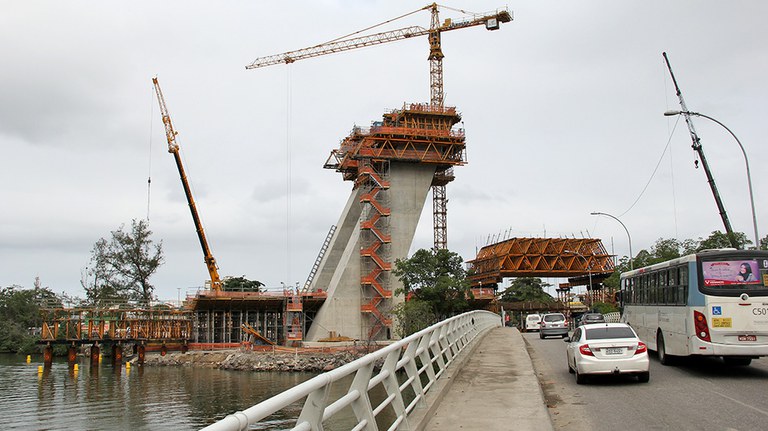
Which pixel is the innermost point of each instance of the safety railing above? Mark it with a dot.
(407, 370)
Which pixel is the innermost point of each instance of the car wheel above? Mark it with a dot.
(580, 378)
(541, 335)
(737, 362)
(644, 377)
(661, 350)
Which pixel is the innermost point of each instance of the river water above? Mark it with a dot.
(140, 398)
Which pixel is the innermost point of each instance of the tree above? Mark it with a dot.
(241, 284)
(121, 267)
(20, 316)
(719, 239)
(413, 316)
(436, 277)
(764, 243)
(527, 289)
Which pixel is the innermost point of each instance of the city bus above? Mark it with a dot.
(712, 303)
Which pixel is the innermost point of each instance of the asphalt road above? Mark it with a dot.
(699, 393)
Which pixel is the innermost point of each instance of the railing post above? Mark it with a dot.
(362, 405)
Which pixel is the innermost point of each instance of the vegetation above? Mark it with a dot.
(527, 289)
(241, 284)
(435, 282)
(120, 268)
(20, 316)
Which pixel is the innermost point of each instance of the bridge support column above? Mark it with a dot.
(72, 355)
(95, 352)
(117, 355)
(142, 352)
(48, 356)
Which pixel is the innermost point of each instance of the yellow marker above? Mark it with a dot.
(29, 358)
(127, 365)
(77, 367)
(99, 357)
(39, 369)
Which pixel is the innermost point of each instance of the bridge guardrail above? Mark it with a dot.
(423, 357)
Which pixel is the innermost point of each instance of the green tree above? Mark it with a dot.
(764, 243)
(412, 316)
(527, 289)
(241, 284)
(121, 267)
(20, 316)
(719, 239)
(437, 278)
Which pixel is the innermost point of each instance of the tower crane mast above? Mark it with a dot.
(173, 148)
(491, 20)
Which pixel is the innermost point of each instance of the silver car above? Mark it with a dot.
(607, 348)
(553, 324)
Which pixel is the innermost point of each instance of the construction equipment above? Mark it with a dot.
(697, 147)
(491, 21)
(173, 148)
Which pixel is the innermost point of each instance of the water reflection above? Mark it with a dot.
(142, 398)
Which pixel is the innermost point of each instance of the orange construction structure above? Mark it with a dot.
(417, 133)
(580, 260)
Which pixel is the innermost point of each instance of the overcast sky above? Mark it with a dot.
(562, 109)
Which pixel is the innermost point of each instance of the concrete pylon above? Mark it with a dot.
(340, 270)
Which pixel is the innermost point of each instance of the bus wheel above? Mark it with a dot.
(736, 361)
(661, 350)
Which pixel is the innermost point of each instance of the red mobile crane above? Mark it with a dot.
(173, 148)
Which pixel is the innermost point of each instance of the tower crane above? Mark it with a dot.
(173, 148)
(491, 20)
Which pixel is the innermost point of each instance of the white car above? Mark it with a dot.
(532, 322)
(607, 348)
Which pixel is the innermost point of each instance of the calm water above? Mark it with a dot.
(142, 398)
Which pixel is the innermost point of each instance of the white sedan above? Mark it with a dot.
(607, 348)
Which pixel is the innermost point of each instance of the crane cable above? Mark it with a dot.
(375, 25)
(654, 169)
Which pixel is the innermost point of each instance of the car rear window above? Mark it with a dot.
(554, 317)
(609, 332)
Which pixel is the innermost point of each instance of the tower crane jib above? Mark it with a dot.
(491, 20)
(173, 148)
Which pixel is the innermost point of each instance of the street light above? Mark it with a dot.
(631, 267)
(746, 162)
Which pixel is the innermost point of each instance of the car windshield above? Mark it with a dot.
(554, 317)
(608, 332)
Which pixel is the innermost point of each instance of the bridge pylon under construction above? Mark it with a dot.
(392, 165)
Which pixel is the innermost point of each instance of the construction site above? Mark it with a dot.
(392, 166)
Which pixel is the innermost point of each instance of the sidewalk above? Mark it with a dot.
(496, 389)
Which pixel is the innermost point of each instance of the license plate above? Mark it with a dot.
(747, 337)
(614, 351)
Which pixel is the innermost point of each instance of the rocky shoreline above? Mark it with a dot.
(255, 361)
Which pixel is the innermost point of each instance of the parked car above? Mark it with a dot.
(587, 318)
(553, 324)
(531, 322)
(606, 348)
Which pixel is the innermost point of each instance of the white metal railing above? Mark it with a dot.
(420, 360)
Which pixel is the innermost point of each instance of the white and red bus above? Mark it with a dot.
(712, 303)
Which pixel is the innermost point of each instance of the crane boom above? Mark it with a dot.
(491, 20)
(700, 151)
(173, 148)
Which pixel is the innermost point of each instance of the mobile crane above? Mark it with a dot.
(491, 20)
(173, 148)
